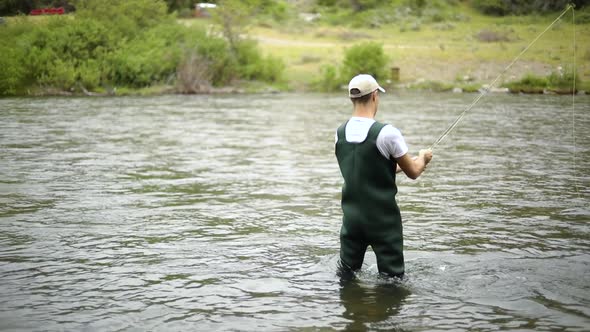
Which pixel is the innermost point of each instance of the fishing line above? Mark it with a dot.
(574, 103)
(485, 91)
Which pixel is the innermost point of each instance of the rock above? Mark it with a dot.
(309, 17)
(486, 89)
(499, 90)
(457, 90)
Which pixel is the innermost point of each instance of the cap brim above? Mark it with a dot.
(381, 89)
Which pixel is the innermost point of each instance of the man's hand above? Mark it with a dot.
(413, 167)
(426, 154)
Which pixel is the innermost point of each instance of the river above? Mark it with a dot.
(222, 213)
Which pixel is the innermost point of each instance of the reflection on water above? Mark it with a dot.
(365, 304)
(222, 213)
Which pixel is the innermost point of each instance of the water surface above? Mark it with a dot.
(222, 213)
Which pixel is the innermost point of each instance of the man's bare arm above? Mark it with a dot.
(413, 167)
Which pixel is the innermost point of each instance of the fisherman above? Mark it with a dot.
(369, 154)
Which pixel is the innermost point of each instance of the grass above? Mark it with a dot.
(432, 57)
(436, 52)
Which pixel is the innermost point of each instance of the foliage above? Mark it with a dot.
(356, 5)
(233, 16)
(529, 83)
(179, 5)
(329, 80)
(16, 7)
(563, 78)
(365, 58)
(216, 54)
(124, 18)
(583, 16)
(560, 80)
(520, 7)
(151, 57)
(137, 50)
(409, 14)
(12, 74)
(254, 66)
(434, 86)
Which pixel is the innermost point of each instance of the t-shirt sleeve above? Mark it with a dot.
(391, 143)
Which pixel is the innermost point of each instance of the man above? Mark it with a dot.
(370, 154)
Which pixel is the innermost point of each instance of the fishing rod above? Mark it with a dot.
(485, 91)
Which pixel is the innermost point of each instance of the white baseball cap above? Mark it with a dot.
(365, 84)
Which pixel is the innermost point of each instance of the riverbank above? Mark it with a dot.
(463, 54)
(466, 54)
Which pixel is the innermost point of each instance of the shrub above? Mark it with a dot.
(125, 18)
(254, 66)
(523, 7)
(58, 74)
(365, 58)
(151, 57)
(216, 52)
(193, 74)
(492, 7)
(62, 54)
(528, 84)
(583, 16)
(13, 72)
(329, 79)
(87, 51)
(435, 86)
(13, 41)
(563, 78)
(489, 36)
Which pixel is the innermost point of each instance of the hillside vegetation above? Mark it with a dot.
(151, 46)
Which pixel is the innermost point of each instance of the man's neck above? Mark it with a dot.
(363, 112)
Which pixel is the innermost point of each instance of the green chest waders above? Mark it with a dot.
(370, 214)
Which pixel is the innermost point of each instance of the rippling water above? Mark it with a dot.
(222, 213)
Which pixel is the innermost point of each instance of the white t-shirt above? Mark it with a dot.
(390, 141)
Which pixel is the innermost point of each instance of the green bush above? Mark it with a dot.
(492, 7)
(149, 58)
(329, 79)
(365, 58)
(563, 78)
(435, 86)
(216, 52)
(13, 39)
(528, 84)
(583, 16)
(89, 51)
(523, 7)
(254, 66)
(560, 80)
(62, 53)
(13, 73)
(58, 74)
(124, 18)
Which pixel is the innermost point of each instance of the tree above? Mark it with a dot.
(233, 16)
